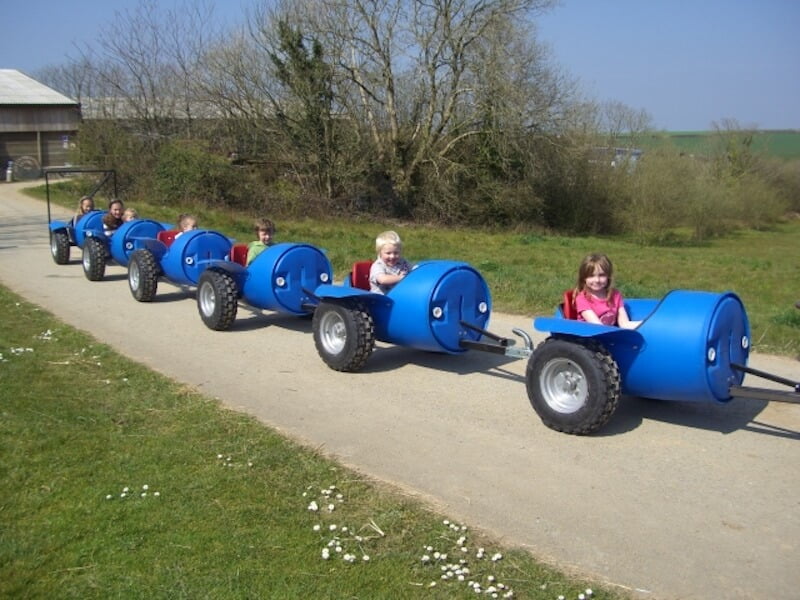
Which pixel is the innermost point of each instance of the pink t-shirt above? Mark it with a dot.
(606, 310)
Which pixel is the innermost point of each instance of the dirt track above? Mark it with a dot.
(674, 500)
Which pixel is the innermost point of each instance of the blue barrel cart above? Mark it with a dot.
(99, 248)
(427, 310)
(278, 279)
(691, 346)
(180, 258)
(65, 234)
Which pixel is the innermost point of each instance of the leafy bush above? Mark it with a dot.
(657, 197)
(186, 173)
(757, 204)
(107, 144)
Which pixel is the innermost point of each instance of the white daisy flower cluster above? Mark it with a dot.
(588, 593)
(458, 569)
(129, 492)
(227, 461)
(45, 335)
(18, 351)
(340, 541)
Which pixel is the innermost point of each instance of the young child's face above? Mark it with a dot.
(597, 281)
(116, 210)
(264, 236)
(86, 206)
(189, 225)
(128, 216)
(390, 254)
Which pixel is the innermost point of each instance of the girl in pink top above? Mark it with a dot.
(596, 300)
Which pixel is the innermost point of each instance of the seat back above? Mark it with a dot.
(359, 276)
(568, 305)
(167, 236)
(239, 254)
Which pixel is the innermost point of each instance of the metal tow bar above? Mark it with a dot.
(762, 393)
(499, 344)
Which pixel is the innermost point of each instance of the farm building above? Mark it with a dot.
(37, 125)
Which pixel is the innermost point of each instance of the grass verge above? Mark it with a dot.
(117, 482)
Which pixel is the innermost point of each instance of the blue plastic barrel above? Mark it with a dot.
(277, 278)
(689, 342)
(190, 254)
(428, 304)
(124, 241)
(91, 221)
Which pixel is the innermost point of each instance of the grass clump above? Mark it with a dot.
(117, 482)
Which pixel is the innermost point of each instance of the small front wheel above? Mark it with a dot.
(59, 247)
(143, 272)
(94, 259)
(343, 334)
(573, 387)
(217, 299)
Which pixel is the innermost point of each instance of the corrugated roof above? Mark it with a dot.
(18, 88)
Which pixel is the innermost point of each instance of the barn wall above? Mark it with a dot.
(19, 118)
(42, 132)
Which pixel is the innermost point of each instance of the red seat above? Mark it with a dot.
(359, 276)
(239, 254)
(568, 305)
(167, 236)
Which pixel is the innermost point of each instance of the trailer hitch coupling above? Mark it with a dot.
(499, 344)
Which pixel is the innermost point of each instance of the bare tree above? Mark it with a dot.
(411, 73)
(618, 120)
(73, 78)
(146, 62)
(734, 154)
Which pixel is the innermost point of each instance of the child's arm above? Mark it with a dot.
(624, 321)
(591, 317)
(584, 309)
(387, 279)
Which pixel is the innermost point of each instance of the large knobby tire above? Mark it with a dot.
(59, 247)
(94, 259)
(143, 272)
(344, 335)
(217, 299)
(574, 387)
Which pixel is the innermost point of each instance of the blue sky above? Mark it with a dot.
(686, 62)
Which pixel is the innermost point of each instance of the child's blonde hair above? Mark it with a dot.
(81, 201)
(388, 237)
(130, 213)
(184, 219)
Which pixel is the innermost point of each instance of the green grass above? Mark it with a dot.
(783, 144)
(527, 271)
(225, 513)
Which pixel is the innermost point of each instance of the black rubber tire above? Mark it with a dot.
(94, 259)
(344, 335)
(143, 273)
(573, 386)
(217, 299)
(59, 247)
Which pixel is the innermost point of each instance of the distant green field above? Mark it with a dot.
(784, 144)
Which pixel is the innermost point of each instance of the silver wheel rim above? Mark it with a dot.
(207, 298)
(87, 259)
(333, 333)
(563, 385)
(53, 245)
(133, 275)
